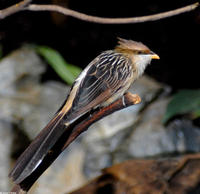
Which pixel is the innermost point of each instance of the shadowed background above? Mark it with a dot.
(27, 104)
(175, 39)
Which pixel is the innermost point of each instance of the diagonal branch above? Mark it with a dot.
(71, 133)
(127, 100)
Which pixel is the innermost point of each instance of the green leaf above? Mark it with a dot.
(185, 101)
(66, 71)
(196, 113)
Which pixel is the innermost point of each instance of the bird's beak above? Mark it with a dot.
(155, 56)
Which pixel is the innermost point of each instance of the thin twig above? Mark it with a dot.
(70, 134)
(14, 9)
(25, 5)
(103, 20)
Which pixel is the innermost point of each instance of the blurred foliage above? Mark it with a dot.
(65, 70)
(183, 102)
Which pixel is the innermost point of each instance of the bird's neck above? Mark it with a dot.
(139, 62)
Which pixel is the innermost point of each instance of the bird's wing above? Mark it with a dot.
(97, 83)
(102, 79)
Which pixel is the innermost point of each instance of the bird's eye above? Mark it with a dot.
(140, 52)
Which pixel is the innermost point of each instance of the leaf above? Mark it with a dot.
(196, 113)
(66, 71)
(142, 176)
(185, 101)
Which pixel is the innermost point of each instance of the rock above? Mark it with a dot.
(6, 137)
(150, 137)
(50, 96)
(26, 107)
(184, 135)
(21, 65)
(147, 89)
(97, 157)
(20, 73)
(104, 137)
(23, 100)
(146, 138)
(65, 174)
(33, 107)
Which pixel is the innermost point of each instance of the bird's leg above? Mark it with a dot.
(123, 101)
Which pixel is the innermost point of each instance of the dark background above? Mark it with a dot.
(175, 39)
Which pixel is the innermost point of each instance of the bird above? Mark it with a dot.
(104, 80)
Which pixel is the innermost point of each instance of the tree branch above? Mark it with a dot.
(25, 5)
(14, 8)
(94, 19)
(70, 134)
(127, 100)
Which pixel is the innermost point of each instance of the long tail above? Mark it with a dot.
(38, 149)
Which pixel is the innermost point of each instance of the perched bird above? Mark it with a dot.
(103, 81)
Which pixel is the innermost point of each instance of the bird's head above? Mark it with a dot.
(139, 53)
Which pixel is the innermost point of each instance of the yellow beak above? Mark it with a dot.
(155, 56)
